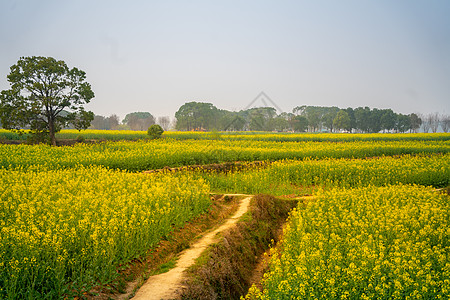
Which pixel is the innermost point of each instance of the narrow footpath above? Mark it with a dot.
(167, 285)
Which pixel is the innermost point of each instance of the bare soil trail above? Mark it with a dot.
(167, 285)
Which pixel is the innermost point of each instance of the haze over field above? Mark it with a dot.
(156, 55)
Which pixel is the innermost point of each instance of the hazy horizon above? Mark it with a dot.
(157, 55)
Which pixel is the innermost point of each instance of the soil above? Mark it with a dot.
(168, 285)
(219, 167)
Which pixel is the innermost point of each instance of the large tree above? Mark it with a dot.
(46, 96)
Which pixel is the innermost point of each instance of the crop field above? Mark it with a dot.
(72, 216)
(61, 229)
(91, 134)
(115, 135)
(388, 242)
(286, 176)
(145, 155)
(306, 137)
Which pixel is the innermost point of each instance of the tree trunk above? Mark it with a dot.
(51, 129)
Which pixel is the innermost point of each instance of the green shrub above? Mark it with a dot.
(155, 131)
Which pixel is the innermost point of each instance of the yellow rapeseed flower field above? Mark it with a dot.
(66, 229)
(145, 155)
(388, 242)
(69, 216)
(285, 176)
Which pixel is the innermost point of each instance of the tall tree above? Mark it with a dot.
(45, 95)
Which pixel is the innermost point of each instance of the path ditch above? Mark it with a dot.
(225, 261)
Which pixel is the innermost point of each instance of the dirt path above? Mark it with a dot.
(167, 285)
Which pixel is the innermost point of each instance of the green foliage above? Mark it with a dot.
(155, 131)
(46, 96)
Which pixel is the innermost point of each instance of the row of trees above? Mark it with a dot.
(205, 116)
(361, 119)
(132, 121)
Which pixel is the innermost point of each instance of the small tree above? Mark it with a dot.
(46, 96)
(155, 131)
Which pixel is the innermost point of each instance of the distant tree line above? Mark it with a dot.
(202, 116)
(132, 121)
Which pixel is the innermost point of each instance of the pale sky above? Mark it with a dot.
(156, 55)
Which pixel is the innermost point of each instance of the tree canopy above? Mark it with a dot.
(45, 96)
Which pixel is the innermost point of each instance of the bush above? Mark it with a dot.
(155, 131)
